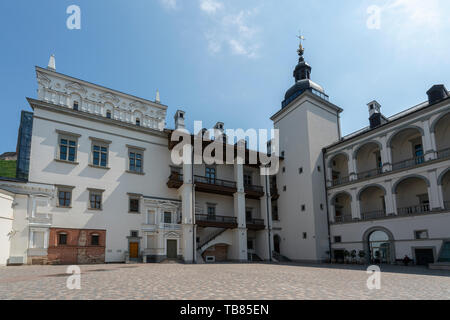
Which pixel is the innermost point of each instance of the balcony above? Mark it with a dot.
(420, 209)
(369, 173)
(408, 163)
(256, 224)
(374, 215)
(175, 180)
(43, 220)
(442, 154)
(340, 180)
(161, 226)
(343, 219)
(214, 185)
(253, 192)
(213, 221)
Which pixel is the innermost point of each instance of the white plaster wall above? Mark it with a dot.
(6, 222)
(304, 130)
(224, 204)
(442, 133)
(371, 200)
(116, 181)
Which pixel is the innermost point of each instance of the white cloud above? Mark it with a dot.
(210, 6)
(169, 4)
(413, 13)
(233, 31)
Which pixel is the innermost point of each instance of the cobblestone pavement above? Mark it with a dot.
(222, 281)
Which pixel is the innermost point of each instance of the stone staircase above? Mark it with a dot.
(280, 258)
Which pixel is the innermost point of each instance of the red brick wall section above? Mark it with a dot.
(78, 249)
(219, 251)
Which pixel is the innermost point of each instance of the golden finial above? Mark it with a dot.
(301, 50)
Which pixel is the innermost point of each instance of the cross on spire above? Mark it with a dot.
(301, 50)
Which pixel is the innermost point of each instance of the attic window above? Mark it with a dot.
(371, 107)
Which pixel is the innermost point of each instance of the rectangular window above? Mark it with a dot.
(134, 205)
(67, 149)
(99, 155)
(135, 161)
(421, 234)
(275, 213)
(250, 245)
(62, 239)
(248, 179)
(75, 105)
(167, 217)
(108, 114)
(337, 239)
(95, 240)
(305, 235)
(211, 211)
(249, 214)
(95, 200)
(64, 197)
(418, 154)
(211, 175)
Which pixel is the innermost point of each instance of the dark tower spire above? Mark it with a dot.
(302, 70)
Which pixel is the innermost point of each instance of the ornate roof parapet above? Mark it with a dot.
(69, 92)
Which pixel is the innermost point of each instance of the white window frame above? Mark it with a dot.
(69, 137)
(135, 150)
(102, 144)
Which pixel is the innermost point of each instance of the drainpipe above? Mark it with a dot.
(194, 247)
(268, 217)
(326, 203)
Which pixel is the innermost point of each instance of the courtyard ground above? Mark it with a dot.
(223, 281)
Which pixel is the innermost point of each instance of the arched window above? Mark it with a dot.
(138, 122)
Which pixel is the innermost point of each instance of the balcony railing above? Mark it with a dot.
(215, 181)
(254, 188)
(207, 220)
(255, 224)
(41, 219)
(340, 180)
(408, 163)
(445, 153)
(343, 219)
(370, 173)
(423, 208)
(373, 215)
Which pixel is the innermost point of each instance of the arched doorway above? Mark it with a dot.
(276, 243)
(379, 246)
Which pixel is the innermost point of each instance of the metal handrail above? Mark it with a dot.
(445, 153)
(341, 219)
(408, 163)
(176, 176)
(214, 218)
(253, 188)
(341, 180)
(423, 208)
(373, 215)
(215, 181)
(447, 205)
(255, 221)
(370, 173)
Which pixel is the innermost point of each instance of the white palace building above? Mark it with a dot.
(95, 183)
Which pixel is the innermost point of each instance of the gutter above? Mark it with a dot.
(326, 202)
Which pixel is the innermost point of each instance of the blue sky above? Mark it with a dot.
(228, 61)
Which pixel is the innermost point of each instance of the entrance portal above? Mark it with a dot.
(172, 249)
(379, 247)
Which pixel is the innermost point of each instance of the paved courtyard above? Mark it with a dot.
(222, 281)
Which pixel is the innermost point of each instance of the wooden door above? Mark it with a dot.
(134, 250)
